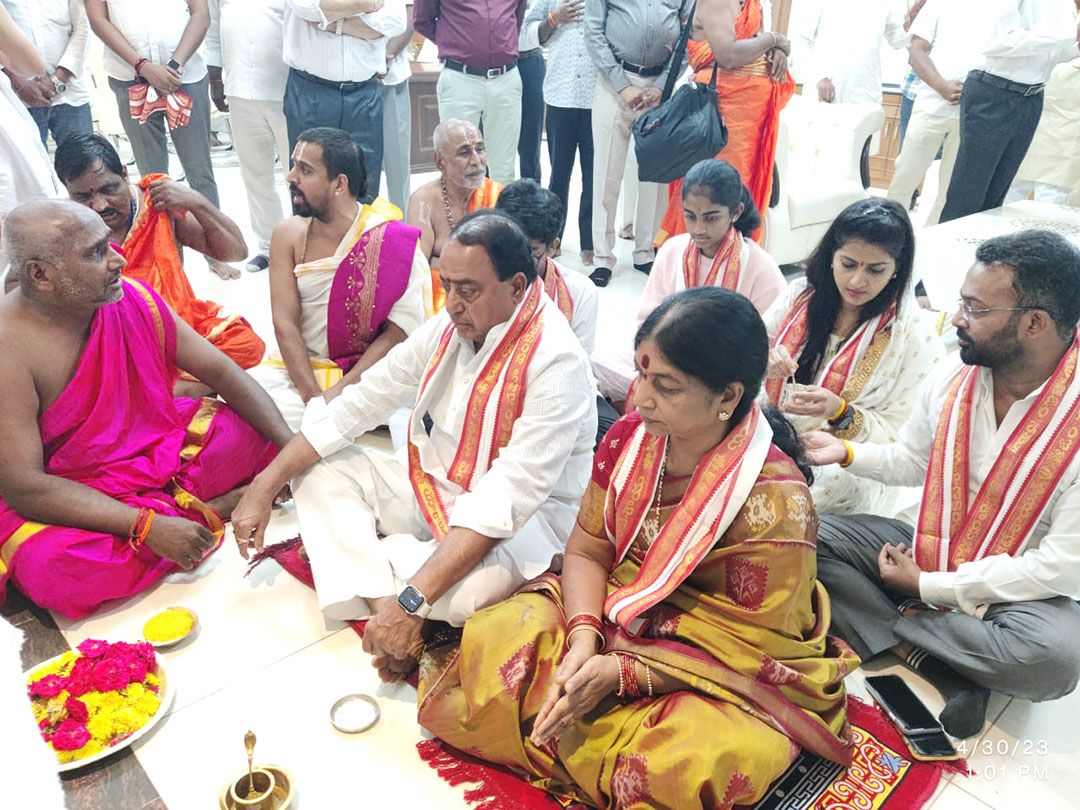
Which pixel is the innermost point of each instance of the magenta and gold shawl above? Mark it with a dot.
(117, 428)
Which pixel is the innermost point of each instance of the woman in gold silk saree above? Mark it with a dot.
(694, 561)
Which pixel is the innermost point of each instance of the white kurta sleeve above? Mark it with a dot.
(557, 401)
(1050, 569)
(384, 388)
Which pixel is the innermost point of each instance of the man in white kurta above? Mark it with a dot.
(996, 552)
(836, 46)
(369, 518)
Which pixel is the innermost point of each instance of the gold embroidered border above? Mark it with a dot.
(198, 428)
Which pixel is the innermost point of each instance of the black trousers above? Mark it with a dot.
(532, 70)
(569, 132)
(996, 128)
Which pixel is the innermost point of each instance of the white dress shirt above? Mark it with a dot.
(323, 53)
(245, 39)
(1029, 37)
(570, 80)
(154, 30)
(61, 32)
(840, 40)
(1048, 562)
(958, 33)
(549, 455)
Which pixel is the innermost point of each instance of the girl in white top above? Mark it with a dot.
(716, 251)
(851, 345)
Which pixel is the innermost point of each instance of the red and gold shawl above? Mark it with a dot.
(727, 258)
(486, 430)
(836, 374)
(1020, 482)
(557, 291)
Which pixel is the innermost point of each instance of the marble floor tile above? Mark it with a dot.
(116, 783)
(955, 798)
(245, 623)
(287, 705)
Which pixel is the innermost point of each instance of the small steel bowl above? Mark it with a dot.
(340, 704)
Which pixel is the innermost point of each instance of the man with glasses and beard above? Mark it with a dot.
(348, 281)
(976, 588)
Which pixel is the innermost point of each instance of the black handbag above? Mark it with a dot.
(683, 129)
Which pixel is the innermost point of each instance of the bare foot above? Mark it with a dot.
(626, 232)
(223, 271)
(192, 388)
(587, 258)
(224, 504)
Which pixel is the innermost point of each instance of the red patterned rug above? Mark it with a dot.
(882, 775)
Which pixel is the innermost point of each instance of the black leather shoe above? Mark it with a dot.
(645, 267)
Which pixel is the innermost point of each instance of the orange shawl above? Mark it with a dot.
(154, 258)
(750, 102)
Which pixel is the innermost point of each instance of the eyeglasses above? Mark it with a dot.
(971, 312)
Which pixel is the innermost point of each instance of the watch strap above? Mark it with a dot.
(408, 595)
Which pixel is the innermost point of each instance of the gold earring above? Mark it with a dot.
(723, 417)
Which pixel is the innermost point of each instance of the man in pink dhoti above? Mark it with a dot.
(348, 280)
(107, 483)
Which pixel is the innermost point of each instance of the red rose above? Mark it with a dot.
(76, 710)
(145, 651)
(136, 668)
(119, 649)
(111, 675)
(48, 687)
(70, 736)
(81, 678)
(93, 648)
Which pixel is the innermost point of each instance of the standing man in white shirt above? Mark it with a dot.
(62, 35)
(243, 55)
(158, 43)
(485, 494)
(397, 117)
(947, 40)
(977, 592)
(836, 46)
(335, 50)
(1002, 103)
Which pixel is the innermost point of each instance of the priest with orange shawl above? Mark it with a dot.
(347, 279)
(462, 187)
(682, 659)
(484, 493)
(153, 223)
(753, 86)
(107, 482)
(987, 570)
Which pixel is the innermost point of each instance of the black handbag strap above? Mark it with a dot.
(678, 54)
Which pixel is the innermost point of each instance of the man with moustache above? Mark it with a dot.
(976, 587)
(347, 278)
(462, 187)
(153, 222)
(109, 482)
(485, 493)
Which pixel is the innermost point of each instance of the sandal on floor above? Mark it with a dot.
(600, 276)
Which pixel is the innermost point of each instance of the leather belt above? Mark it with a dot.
(630, 67)
(344, 86)
(487, 73)
(1006, 84)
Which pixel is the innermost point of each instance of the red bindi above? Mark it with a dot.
(644, 361)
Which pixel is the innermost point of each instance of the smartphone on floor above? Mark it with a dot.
(924, 735)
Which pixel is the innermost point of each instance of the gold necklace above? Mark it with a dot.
(650, 529)
(446, 203)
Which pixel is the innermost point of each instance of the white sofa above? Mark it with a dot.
(818, 159)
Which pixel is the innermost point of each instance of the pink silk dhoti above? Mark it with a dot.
(116, 428)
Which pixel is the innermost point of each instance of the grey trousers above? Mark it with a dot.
(1025, 649)
(192, 141)
(397, 141)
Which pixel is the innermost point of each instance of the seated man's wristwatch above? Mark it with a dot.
(413, 602)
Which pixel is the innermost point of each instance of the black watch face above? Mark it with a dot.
(411, 599)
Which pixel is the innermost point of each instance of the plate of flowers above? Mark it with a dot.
(95, 701)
